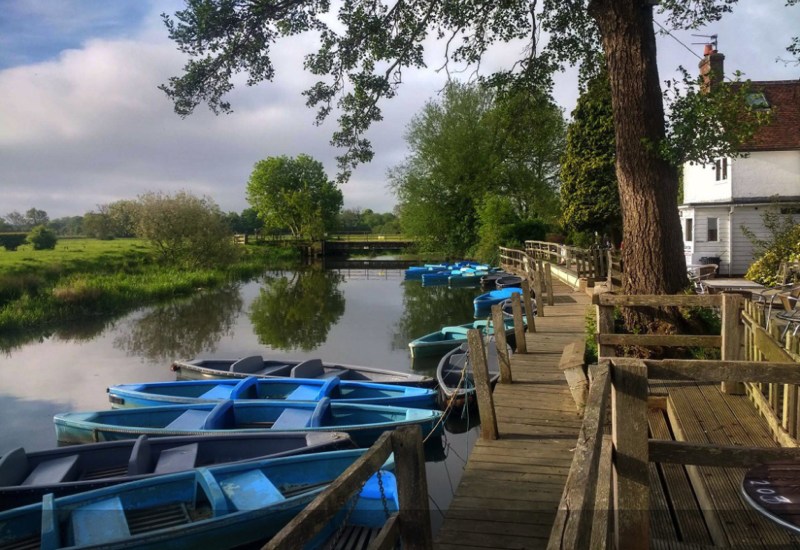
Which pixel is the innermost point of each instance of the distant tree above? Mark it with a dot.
(68, 225)
(122, 216)
(589, 191)
(296, 194)
(98, 226)
(17, 221)
(350, 219)
(4, 226)
(36, 217)
(42, 238)
(185, 229)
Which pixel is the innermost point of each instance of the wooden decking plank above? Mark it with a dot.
(511, 487)
(661, 524)
(743, 526)
(686, 509)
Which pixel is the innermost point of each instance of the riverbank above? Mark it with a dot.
(87, 278)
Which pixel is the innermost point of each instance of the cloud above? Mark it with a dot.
(88, 125)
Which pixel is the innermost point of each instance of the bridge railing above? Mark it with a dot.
(590, 263)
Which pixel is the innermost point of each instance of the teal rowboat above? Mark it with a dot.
(440, 342)
(215, 507)
(364, 423)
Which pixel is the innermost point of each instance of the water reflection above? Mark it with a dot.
(183, 328)
(297, 310)
(76, 331)
(426, 309)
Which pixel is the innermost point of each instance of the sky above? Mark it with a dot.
(82, 122)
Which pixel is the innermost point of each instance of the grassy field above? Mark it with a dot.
(84, 278)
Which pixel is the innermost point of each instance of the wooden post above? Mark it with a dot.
(412, 488)
(519, 325)
(538, 289)
(500, 343)
(732, 336)
(605, 325)
(548, 278)
(529, 306)
(631, 463)
(483, 389)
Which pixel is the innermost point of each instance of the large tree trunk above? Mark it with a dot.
(648, 185)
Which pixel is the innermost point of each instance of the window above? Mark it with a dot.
(713, 234)
(688, 235)
(757, 100)
(721, 169)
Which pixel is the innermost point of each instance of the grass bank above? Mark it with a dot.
(84, 278)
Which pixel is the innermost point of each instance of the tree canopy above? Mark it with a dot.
(362, 57)
(589, 195)
(294, 194)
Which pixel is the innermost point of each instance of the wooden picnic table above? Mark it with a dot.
(714, 286)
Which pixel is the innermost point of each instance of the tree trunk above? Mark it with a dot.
(648, 185)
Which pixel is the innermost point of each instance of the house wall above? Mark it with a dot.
(701, 246)
(764, 174)
(700, 185)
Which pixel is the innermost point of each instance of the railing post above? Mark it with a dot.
(412, 488)
(605, 325)
(519, 325)
(500, 344)
(631, 463)
(483, 389)
(538, 288)
(732, 336)
(529, 308)
(549, 282)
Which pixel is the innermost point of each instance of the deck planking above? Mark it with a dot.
(511, 487)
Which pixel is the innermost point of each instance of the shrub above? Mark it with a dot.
(12, 241)
(42, 238)
(784, 246)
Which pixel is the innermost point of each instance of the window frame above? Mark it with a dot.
(715, 234)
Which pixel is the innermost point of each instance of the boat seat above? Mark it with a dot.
(341, 374)
(329, 387)
(176, 459)
(321, 412)
(13, 467)
(189, 420)
(218, 391)
(248, 365)
(293, 419)
(50, 535)
(220, 417)
(246, 389)
(99, 522)
(141, 460)
(311, 368)
(455, 330)
(304, 392)
(55, 470)
(251, 490)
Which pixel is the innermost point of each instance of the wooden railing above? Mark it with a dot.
(536, 271)
(778, 403)
(587, 263)
(599, 510)
(411, 527)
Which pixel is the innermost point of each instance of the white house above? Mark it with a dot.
(721, 199)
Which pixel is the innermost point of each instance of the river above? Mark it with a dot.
(358, 316)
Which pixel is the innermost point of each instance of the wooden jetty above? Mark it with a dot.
(509, 493)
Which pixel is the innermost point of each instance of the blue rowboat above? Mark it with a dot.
(216, 507)
(152, 394)
(364, 423)
(508, 309)
(416, 272)
(484, 302)
(256, 365)
(25, 477)
(440, 342)
(454, 373)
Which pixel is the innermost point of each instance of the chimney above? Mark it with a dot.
(711, 68)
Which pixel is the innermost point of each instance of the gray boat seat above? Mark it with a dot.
(219, 391)
(56, 470)
(100, 522)
(189, 420)
(248, 365)
(221, 416)
(251, 490)
(176, 459)
(293, 419)
(141, 460)
(312, 368)
(13, 467)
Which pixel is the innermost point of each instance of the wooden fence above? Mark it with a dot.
(536, 271)
(411, 526)
(593, 263)
(606, 499)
